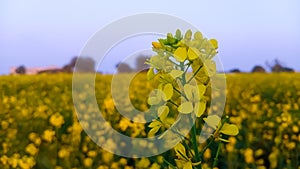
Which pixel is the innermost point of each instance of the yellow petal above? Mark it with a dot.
(180, 54)
(211, 67)
(193, 54)
(153, 100)
(153, 131)
(213, 121)
(163, 112)
(150, 74)
(154, 124)
(188, 90)
(156, 45)
(198, 35)
(201, 89)
(176, 73)
(168, 91)
(188, 165)
(224, 140)
(186, 108)
(200, 108)
(214, 43)
(180, 148)
(230, 129)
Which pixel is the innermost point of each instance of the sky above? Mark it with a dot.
(37, 33)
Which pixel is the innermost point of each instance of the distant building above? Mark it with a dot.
(33, 70)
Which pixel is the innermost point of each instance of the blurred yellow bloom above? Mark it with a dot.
(48, 135)
(4, 159)
(63, 153)
(56, 120)
(248, 154)
(4, 124)
(31, 149)
(143, 163)
(88, 162)
(92, 153)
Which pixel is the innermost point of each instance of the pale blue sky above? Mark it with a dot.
(51, 32)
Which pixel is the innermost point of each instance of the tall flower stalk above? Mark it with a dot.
(183, 66)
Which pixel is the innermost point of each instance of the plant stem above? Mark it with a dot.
(215, 163)
(171, 165)
(170, 101)
(194, 131)
(206, 147)
(194, 142)
(194, 74)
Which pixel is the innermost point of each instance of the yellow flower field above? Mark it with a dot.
(39, 126)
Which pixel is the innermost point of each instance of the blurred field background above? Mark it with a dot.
(39, 126)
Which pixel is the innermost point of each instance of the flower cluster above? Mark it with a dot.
(183, 66)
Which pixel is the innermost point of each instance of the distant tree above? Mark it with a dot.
(83, 64)
(124, 68)
(67, 68)
(140, 63)
(287, 69)
(259, 69)
(277, 66)
(235, 71)
(21, 70)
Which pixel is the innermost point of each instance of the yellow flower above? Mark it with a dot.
(180, 54)
(87, 162)
(4, 159)
(31, 149)
(4, 124)
(92, 153)
(165, 93)
(248, 154)
(56, 120)
(155, 125)
(143, 163)
(63, 153)
(214, 122)
(150, 73)
(194, 102)
(48, 135)
(214, 43)
(156, 45)
(193, 53)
